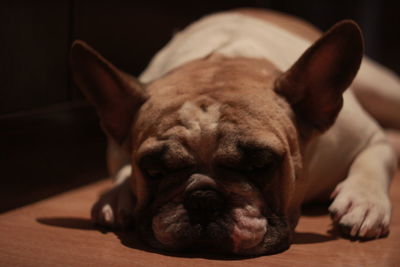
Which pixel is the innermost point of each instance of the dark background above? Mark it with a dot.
(50, 140)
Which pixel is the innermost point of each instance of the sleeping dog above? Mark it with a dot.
(240, 119)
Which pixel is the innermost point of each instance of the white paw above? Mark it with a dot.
(361, 211)
(114, 208)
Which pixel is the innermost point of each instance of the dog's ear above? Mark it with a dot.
(315, 83)
(116, 95)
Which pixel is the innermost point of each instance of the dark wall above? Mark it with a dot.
(34, 43)
(36, 36)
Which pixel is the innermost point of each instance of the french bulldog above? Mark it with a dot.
(239, 120)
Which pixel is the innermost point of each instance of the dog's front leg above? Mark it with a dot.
(361, 205)
(114, 208)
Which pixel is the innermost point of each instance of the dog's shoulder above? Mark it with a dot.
(237, 33)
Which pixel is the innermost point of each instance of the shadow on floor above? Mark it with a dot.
(131, 240)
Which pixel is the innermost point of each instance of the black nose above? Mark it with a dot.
(203, 206)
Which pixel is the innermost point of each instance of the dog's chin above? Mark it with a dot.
(242, 231)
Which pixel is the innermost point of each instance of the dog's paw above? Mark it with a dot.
(114, 208)
(361, 212)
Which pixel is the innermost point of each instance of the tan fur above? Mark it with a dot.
(242, 113)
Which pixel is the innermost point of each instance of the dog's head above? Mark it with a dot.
(217, 144)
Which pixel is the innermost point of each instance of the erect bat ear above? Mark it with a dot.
(116, 95)
(315, 83)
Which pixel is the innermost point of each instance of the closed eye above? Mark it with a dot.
(251, 160)
(157, 174)
(249, 169)
(165, 160)
(154, 173)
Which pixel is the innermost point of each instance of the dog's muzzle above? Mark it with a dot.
(215, 216)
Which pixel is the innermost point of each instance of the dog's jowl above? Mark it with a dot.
(240, 119)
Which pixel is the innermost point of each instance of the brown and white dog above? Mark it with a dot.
(240, 119)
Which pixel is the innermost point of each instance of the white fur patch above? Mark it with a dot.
(201, 124)
(249, 228)
(123, 174)
(108, 214)
(229, 34)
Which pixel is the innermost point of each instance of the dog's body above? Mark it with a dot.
(224, 149)
(255, 34)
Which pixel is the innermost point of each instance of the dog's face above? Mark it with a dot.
(212, 159)
(216, 145)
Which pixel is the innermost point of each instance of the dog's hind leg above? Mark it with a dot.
(378, 90)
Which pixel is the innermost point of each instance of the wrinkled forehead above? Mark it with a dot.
(214, 104)
(205, 128)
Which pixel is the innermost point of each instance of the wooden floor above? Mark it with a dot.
(57, 232)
